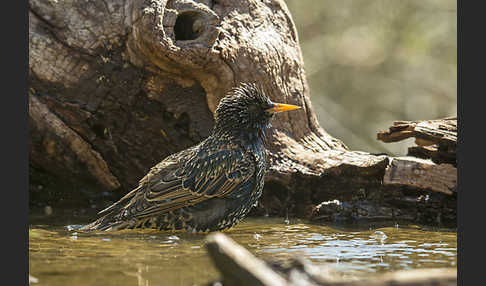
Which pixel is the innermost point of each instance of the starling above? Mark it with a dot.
(210, 186)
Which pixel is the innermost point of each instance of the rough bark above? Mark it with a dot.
(239, 267)
(116, 86)
(421, 174)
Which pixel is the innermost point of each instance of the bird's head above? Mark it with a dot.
(246, 109)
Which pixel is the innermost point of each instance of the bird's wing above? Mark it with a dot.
(169, 164)
(174, 184)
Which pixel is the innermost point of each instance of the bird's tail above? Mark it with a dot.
(111, 220)
(106, 222)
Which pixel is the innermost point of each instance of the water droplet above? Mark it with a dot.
(379, 235)
(168, 242)
(74, 227)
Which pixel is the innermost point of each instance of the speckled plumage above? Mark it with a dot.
(210, 186)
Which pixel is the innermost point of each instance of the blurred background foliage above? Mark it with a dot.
(371, 62)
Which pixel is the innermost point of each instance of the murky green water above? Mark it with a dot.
(58, 256)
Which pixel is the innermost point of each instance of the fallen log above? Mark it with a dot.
(405, 188)
(238, 267)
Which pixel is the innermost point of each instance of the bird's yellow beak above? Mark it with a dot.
(279, 107)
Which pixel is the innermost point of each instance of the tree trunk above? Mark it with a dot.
(116, 86)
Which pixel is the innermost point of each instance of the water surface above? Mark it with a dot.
(58, 256)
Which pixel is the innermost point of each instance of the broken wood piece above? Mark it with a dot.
(422, 174)
(237, 265)
(436, 139)
(439, 130)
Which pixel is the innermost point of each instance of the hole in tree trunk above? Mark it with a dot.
(187, 27)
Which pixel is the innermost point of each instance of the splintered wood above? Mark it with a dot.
(436, 139)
